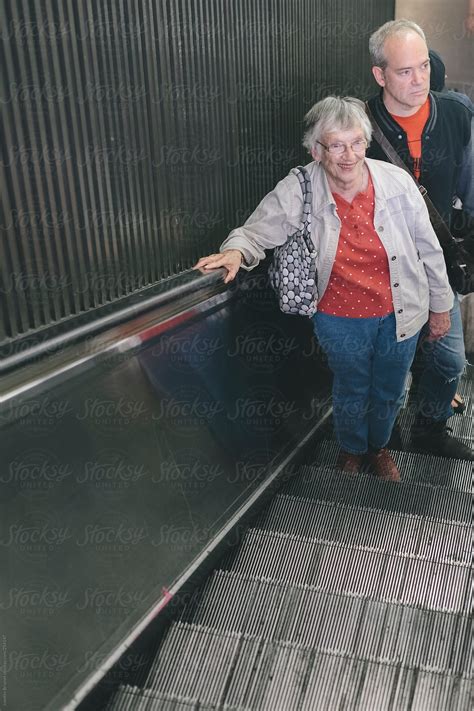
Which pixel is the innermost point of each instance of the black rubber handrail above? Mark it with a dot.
(184, 284)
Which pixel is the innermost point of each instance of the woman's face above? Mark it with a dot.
(342, 167)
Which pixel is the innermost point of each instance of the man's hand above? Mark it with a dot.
(231, 259)
(439, 325)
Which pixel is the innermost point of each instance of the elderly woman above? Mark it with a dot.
(380, 274)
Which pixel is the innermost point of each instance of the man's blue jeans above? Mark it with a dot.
(440, 365)
(370, 370)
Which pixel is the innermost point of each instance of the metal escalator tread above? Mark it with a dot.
(328, 484)
(414, 467)
(127, 698)
(328, 622)
(350, 569)
(375, 529)
(462, 426)
(188, 650)
(265, 674)
(352, 685)
(193, 650)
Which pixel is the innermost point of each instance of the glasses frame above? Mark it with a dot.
(339, 153)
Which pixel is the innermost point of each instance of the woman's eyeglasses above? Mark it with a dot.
(338, 148)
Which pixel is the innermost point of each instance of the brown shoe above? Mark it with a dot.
(383, 466)
(350, 463)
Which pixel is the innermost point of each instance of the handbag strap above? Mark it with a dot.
(305, 184)
(443, 233)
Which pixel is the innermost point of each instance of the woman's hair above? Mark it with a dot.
(335, 113)
(378, 38)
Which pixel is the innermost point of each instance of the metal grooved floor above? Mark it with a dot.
(348, 594)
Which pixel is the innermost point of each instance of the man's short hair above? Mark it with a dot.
(389, 29)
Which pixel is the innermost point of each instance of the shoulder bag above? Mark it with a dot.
(292, 272)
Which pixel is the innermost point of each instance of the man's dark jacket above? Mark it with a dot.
(445, 147)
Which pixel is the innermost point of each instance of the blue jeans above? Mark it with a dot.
(440, 365)
(370, 370)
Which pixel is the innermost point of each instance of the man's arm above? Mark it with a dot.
(465, 186)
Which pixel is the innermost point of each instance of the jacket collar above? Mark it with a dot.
(387, 123)
(386, 186)
(322, 195)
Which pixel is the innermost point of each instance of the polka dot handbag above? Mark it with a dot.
(293, 270)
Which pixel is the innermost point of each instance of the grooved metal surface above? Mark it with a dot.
(335, 623)
(326, 484)
(262, 674)
(453, 474)
(210, 650)
(462, 426)
(375, 530)
(351, 569)
(135, 135)
(132, 697)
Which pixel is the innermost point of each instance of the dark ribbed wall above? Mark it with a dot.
(136, 133)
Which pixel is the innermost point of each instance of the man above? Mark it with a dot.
(431, 133)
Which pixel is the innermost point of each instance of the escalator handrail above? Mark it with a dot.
(177, 291)
(24, 378)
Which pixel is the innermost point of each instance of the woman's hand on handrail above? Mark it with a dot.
(230, 259)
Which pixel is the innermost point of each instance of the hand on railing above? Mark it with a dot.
(230, 259)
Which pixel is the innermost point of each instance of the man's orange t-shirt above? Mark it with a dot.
(413, 127)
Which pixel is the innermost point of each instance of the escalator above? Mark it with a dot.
(346, 593)
(176, 535)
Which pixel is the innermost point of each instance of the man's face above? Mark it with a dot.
(406, 78)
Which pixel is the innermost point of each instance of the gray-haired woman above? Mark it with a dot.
(380, 269)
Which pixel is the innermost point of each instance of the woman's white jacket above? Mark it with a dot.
(418, 275)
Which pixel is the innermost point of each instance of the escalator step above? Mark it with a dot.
(191, 657)
(195, 661)
(327, 484)
(350, 569)
(264, 674)
(375, 529)
(274, 680)
(462, 426)
(435, 471)
(128, 698)
(414, 467)
(327, 622)
(352, 685)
